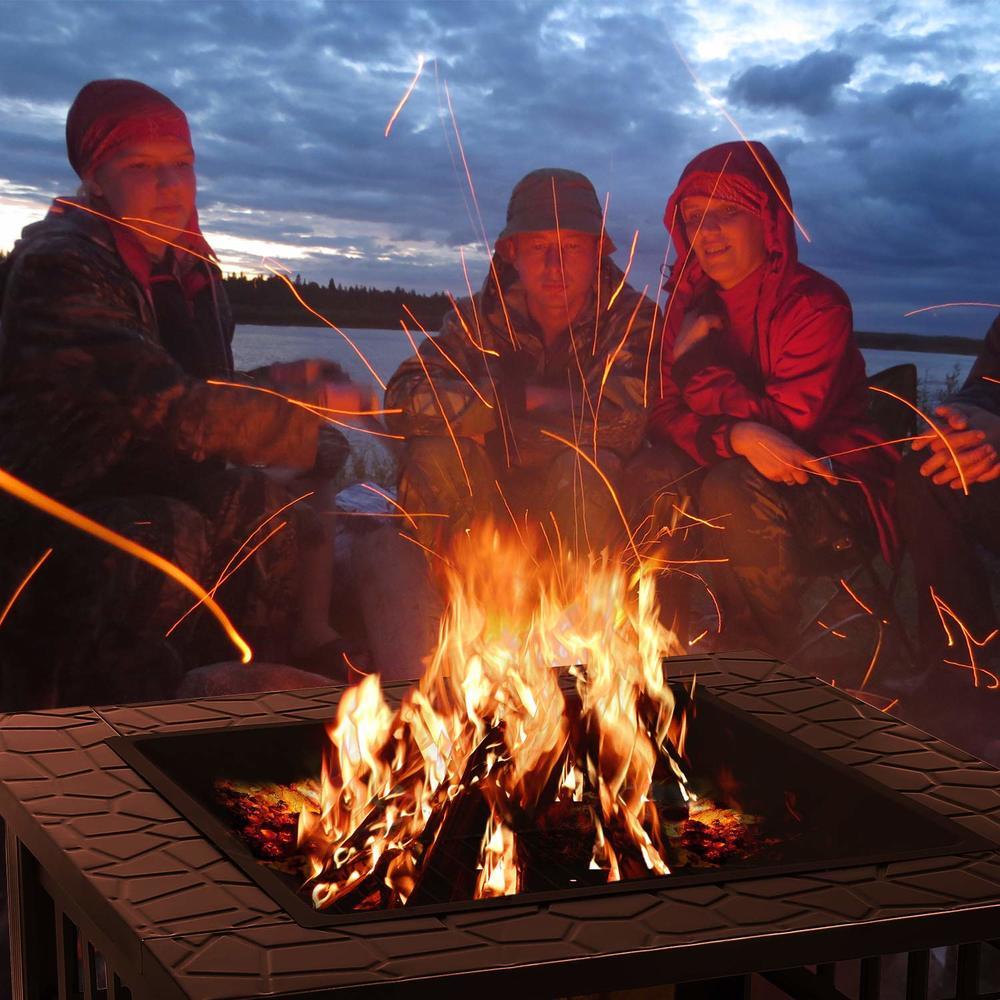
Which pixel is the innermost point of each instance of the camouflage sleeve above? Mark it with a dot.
(430, 382)
(619, 428)
(613, 404)
(624, 395)
(74, 341)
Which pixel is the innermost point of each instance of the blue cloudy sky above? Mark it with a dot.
(884, 116)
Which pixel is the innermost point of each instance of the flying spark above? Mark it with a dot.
(951, 305)
(406, 96)
(24, 583)
(28, 494)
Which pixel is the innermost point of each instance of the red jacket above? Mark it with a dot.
(804, 375)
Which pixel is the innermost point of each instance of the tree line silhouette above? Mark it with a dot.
(268, 301)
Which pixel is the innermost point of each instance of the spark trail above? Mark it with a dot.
(19, 589)
(41, 501)
(406, 96)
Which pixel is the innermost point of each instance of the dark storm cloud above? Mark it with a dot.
(807, 85)
(872, 38)
(889, 148)
(918, 99)
(899, 205)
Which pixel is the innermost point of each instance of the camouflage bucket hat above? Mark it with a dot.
(553, 198)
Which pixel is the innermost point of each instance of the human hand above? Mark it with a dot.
(344, 397)
(291, 375)
(775, 455)
(324, 384)
(973, 435)
(694, 327)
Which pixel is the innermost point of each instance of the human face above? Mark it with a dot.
(557, 271)
(727, 240)
(152, 180)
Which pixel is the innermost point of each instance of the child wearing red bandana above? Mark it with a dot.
(113, 320)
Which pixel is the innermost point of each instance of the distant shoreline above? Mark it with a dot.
(262, 301)
(921, 343)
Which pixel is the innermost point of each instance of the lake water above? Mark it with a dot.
(386, 349)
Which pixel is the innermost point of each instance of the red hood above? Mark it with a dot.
(746, 173)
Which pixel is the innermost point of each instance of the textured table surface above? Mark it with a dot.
(174, 905)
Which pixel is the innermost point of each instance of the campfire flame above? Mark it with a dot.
(489, 724)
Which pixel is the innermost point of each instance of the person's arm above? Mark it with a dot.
(705, 439)
(75, 337)
(970, 424)
(432, 381)
(619, 392)
(978, 390)
(973, 441)
(567, 413)
(601, 400)
(716, 434)
(776, 456)
(803, 387)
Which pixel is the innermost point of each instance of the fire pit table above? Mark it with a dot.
(120, 882)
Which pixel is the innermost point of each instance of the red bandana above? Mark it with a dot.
(107, 114)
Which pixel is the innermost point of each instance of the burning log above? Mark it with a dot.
(448, 867)
(448, 871)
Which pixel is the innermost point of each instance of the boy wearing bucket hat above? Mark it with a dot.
(546, 347)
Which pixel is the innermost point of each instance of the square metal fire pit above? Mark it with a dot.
(107, 873)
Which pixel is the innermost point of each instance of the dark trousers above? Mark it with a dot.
(942, 528)
(769, 536)
(91, 627)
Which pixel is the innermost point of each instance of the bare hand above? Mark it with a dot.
(694, 327)
(775, 455)
(344, 397)
(973, 435)
(322, 383)
(291, 375)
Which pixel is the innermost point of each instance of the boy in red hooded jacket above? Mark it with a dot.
(763, 398)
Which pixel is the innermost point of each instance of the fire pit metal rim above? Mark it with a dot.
(966, 842)
(794, 923)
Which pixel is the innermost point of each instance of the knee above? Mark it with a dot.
(921, 504)
(567, 467)
(439, 455)
(428, 451)
(172, 528)
(658, 466)
(662, 470)
(908, 469)
(912, 489)
(729, 487)
(435, 476)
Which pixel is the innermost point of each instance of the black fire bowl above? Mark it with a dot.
(107, 816)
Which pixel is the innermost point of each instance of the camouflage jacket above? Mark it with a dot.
(91, 401)
(602, 359)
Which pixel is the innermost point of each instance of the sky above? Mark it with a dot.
(884, 117)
